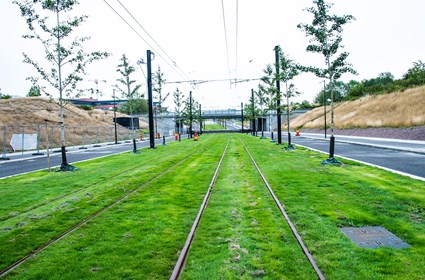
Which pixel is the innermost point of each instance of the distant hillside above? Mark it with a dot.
(31, 111)
(397, 110)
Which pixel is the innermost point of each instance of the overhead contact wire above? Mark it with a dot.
(141, 37)
(159, 46)
(225, 39)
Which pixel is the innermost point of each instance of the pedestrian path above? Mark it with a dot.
(413, 146)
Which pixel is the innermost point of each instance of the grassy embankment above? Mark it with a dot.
(32, 111)
(241, 234)
(398, 109)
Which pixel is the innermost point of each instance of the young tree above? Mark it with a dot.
(125, 69)
(178, 107)
(252, 111)
(189, 113)
(325, 38)
(63, 56)
(288, 71)
(160, 96)
(262, 100)
(130, 90)
(269, 80)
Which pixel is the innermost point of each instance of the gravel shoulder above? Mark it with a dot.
(406, 133)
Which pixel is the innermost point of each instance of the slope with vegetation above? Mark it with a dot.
(33, 111)
(397, 110)
(30, 112)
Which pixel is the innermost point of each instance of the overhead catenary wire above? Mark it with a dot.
(153, 40)
(225, 38)
(237, 38)
(172, 65)
(196, 82)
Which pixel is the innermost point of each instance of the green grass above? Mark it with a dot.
(214, 127)
(39, 206)
(242, 230)
(320, 199)
(241, 234)
(140, 236)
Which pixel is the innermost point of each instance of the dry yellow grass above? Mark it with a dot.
(30, 112)
(398, 109)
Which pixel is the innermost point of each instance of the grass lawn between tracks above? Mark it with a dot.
(214, 126)
(141, 236)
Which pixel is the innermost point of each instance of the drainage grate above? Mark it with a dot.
(373, 237)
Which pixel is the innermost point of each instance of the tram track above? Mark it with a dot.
(97, 213)
(180, 264)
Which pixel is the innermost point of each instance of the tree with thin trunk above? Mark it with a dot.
(129, 89)
(325, 38)
(288, 71)
(161, 97)
(269, 85)
(178, 107)
(260, 93)
(129, 92)
(66, 58)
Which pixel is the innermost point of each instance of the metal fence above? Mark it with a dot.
(34, 138)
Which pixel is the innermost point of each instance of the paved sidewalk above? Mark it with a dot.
(413, 146)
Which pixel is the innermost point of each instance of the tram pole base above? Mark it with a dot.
(332, 161)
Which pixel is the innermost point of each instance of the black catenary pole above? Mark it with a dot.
(150, 102)
(200, 119)
(253, 113)
(190, 114)
(242, 115)
(278, 113)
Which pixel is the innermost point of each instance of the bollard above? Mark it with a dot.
(135, 151)
(272, 141)
(163, 140)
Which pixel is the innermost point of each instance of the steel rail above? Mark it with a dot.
(288, 220)
(11, 267)
(178, 268)
(46, 202)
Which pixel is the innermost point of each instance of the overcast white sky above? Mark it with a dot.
(387, 36)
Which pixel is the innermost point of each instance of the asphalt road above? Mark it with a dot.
(407, 157)
(402, 156)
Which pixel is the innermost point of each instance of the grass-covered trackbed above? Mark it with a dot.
(128, 216)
